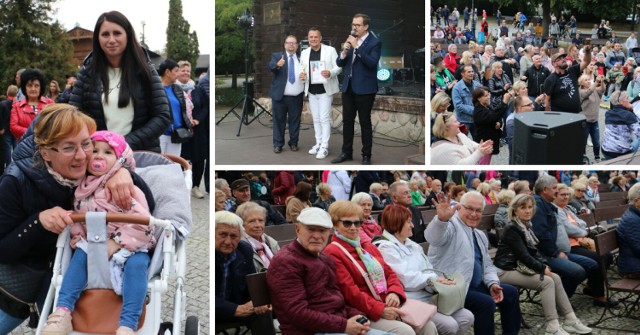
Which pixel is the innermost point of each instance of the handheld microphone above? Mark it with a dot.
(353, 33)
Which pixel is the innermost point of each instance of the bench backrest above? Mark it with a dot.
(606, 242)
(490, 209)
(613, 196)
(588, 218)
(281, 232)
(610, 203)
(606, 213)
(428, 214)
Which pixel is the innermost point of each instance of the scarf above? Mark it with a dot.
(262, 248)
(60, 179)
(529, 236)
(188, 87)
(374, 268)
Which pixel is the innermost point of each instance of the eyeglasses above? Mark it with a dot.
(357, 25)
(71, 150)
(348, 224)
(291, 43)
(580, 190)
(563, 194)
(476, 211)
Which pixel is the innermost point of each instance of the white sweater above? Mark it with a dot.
(448, 153)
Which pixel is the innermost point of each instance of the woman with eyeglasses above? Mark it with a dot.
(25, 110)
(516, 251)
(579, 202)
(37, 192)
(380, 299)
(452, 147)
(408, 260)
(119, 88)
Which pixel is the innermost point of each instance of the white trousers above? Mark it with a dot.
(320, 106)
(166, 147)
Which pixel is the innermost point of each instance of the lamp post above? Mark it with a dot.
(473, 19)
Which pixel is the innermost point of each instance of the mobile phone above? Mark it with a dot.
(362, 320)
(541, 88)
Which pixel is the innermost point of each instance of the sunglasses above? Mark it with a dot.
(348, 223)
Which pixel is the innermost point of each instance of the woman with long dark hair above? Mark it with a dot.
(119, 88)
(488, 119)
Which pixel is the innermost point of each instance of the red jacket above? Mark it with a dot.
(284, 185)
(22, 115)
(451, 61)
(354, 287)
(305, 294)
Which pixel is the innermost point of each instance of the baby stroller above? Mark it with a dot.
(170, 184)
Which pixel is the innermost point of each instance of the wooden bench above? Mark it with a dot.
(606, 243)
(281, 232)
(427, 215)
(610, 203)
(609, 213)
(490, 209)
(604, 188)
(613, 196)
(281, 208)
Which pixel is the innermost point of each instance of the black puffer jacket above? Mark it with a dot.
(513, 248)
(149, 120)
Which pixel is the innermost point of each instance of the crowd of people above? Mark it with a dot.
(519, 74)
(370, 264)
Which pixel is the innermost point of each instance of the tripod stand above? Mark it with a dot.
(247, 101)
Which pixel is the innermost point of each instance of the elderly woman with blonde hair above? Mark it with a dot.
(454, 147)
(485, 190)
(501, 218)
(253, 223)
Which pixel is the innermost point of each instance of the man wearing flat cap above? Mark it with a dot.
(303, 285)
(561, 87)
(241, 191)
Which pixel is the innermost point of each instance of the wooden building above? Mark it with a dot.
(399, 24)
(82, 40)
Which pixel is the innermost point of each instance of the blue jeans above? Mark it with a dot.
(593, 129)
(481, 304)
(593, 272)
(571, 273)
(289, 107)
(9, 323)
(134, 285)
(10, 143)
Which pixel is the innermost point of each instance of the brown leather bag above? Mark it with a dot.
(98, 311)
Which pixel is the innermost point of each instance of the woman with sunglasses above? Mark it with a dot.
(381, 301)
(37, 192)
(454, 147)
(408, 260)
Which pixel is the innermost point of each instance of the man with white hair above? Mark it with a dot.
(223, 185)
(455, 245)
(233, 261)
(400, 195)
(508, 63)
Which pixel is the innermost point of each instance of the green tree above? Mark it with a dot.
(181, 44)
(30, 38)
(230, 37)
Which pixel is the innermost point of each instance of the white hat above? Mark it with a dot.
(313, 216)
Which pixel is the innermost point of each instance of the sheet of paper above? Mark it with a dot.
(316, 72)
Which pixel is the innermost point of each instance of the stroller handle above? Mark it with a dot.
(130, 218)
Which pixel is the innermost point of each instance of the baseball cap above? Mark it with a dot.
(314, 216)
(556, 56)
(520, 49)
(239, 183)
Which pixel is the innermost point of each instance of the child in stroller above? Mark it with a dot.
(127, 246)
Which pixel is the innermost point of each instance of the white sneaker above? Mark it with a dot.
(314, 149)
(322, 153)
(558, 331)
(196, 193)
(577, 327)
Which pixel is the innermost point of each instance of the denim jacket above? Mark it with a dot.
(463, 106)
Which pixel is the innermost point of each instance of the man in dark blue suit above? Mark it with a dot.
(287, 88)
(359, 63)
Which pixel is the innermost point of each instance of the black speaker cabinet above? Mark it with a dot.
(548, 138)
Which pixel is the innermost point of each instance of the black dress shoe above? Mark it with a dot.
(294, 147)
(277, 149)
(342, 158)
(611, 303)
(366, 160)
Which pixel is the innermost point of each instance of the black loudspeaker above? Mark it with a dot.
(548, 138)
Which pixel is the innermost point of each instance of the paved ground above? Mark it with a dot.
(254, 145)
(197, 275)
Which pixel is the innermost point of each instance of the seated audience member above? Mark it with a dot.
(223, 185)
(628, 232)
(455, 245)
(620, 124)
(572, 241)
(304, 287)
(375, 191)
(545, 226)
(264, 246)
(453, 147)
(234, 260)
(517, 248)
(593, 193)
(417, 197)
(325, 199)
(619, 184)
(485, 190)
(579, 202)
(241, 192)
(436, 188)
(407, 259)
(220, 200)
(298, 201)
(501, 218)
(381, 303)
(521, 187)
(370, 226)
(456, 194)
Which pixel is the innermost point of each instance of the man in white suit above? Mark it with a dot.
(320, 58)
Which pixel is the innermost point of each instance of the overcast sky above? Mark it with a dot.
(154, 13)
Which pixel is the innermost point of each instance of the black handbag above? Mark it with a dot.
(21, 284)
(181, 135)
